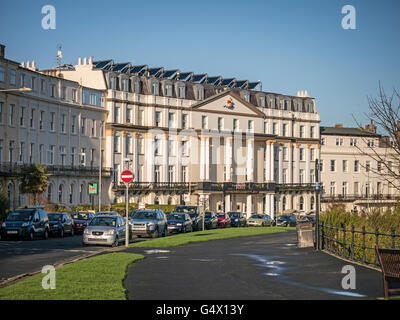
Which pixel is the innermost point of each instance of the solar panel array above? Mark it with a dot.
(175, 74)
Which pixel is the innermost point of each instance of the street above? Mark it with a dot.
(269, 267)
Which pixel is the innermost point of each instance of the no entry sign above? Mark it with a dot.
(127, 176)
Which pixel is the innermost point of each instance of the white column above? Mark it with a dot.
(207, 162)
(249, 205)
(228, 203)
(178, 150)
(202, 158)
(272, 162)
(149, 158)
(308, 161)
(297, 163)
(280, 163)
(165, 158)
(267, 162)
(266, 204)
(124, 164)
(272, 207)
(290, 162)
(250, 160)
(228, 158)
(135, 152)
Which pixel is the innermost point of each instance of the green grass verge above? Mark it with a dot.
(96, 278)
(208, 235)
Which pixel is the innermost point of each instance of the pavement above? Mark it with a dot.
(268, 267)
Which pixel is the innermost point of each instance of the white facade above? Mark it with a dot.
(57, 125)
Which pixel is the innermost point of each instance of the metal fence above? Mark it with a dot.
(357, 245)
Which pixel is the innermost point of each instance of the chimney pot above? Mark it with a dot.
(339, 125)
(79, 61)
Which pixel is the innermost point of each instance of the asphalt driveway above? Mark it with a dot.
(268, 267)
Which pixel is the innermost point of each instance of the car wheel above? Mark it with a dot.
(155, 234)
(31, 236)
(46, 234)
(62, 233)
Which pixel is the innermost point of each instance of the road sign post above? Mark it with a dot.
(127, 177)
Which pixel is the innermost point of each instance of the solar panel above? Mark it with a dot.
(138, 69)
(252, 85)
(121, 66)
(213, 80)
(241, 83)
(227, 82)
(155, 71)
(184, 76)
(101, 64)
(199, 77)
(170, 73)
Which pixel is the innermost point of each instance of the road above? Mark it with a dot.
(21, 257)
(269, 267)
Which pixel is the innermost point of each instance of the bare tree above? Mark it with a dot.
(384, 114)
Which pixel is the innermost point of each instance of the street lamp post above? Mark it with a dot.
(317, 194)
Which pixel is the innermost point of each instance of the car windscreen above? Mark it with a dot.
(106, 213)
(20, 215)
(176, 216)
(257, 216)
(104, 222)
(208, 215)
(55, 216)
(80, 216)
(221, 215)
(189, 210)
(144, 215)
(234, 214)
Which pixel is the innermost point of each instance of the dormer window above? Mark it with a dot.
(136, 85)
(198, 92)
(272, 102)
(261, 101)
(246, 96)
(125, 84)
(167, 90)
(113, 83)
(154, 88)
(181, 91)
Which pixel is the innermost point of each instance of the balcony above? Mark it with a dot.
(8, 169)
(355, 197)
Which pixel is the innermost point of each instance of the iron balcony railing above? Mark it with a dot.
(14, 169)
(354, 197)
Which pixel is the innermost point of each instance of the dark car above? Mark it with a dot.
(81, 220)
(107, 213)
(60, 224)
(29, 223)
(286, 221)
(224, 221)
(149, 222)
(210, 220)
(194, 213)
(238, 219)
(179, 222)
(311, 219)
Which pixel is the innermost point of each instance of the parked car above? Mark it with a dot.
(210, 220)
(106, 230)
(29, 223)
(107, 213)
(60, 223)
(81, 220)
(311, 219)
(179, 222)
(224, 221)
(195, 214)
(260, 220)
(286, 221)
(238, 219)
(149, 222)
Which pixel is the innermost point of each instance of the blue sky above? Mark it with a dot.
(289, 45)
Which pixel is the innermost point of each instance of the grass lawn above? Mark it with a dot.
(96, 278)
(207, 235)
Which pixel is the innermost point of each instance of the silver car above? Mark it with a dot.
(106, 230)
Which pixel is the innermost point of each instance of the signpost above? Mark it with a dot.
(127, 177)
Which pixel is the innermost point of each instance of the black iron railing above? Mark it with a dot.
(357, 245)
(354, 197)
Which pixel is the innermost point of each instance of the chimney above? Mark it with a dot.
(2, 51)
(90, 60)
(79, 61)
(339, 125)
(84, 60)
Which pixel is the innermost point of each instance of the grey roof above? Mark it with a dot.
(357, 132)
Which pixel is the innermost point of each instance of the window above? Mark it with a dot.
(284, 154)
(185, 123)
(41, 120)
(356, 189)
(74, 98)
(42, 86)
(301, 203)
(125, 84)
(220, 123)
(63, 155)
(171, 147)
(141, 145)
(141, 117)
(181, 92)
(128, 115)
(312, 131)
(82, 160)
(154, 88)
(11, 151)
(53, 90)
(116, 114)
(265, 127)
(171, 173)
(321, 165)
(261, 101)
(339, 142)
(370, 143)
(301, 154)
(312, 154)
(22, 81)
(158, 119)
(128, 145)
(73, 152)
(185, 148)
(32, 119)
(367, 166)
(301, 176)
(344, 188)
(345, 167)
(184, 173)
(379, 166)
(353, 142)
(157, 174)
(50, 155)
(171, 120)
(1, 112)
(73, 124)
(116, 144)
(2, 74)
(31, 152)
(32, 84)
(21, 152)
(275, 128)
(63, 93)
(83, 126)
(284, 176)
(41, 154)
(271, 102)
(235, 124)
(71, 193)
(22, 117)
(356, 165)
(312, 176)
(204, 122)
(157, 149)
(13, 77)
(11, 115)
(333, 189)
(322, 141)
(284, 129)
(113, 83)
(333, 165)
(301, 131)
(136, 86)
(168, 90)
